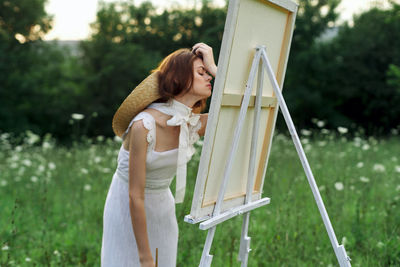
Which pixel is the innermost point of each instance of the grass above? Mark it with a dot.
(52, 201)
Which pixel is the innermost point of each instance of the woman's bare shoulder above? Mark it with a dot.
(159, 117)
(136, 132)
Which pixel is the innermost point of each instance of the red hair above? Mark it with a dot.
(176, 76)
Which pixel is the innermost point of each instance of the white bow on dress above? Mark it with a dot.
(189, 125)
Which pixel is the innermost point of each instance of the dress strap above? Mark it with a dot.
(149, 123)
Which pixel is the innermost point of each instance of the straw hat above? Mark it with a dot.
(142, 96)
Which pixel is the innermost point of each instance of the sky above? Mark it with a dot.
(72, 18)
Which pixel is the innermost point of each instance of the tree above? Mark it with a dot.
(365, 56)
(39, 82)
(130, 40)
(308, 62)
(23, 20)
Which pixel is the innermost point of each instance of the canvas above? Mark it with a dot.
(249, 23)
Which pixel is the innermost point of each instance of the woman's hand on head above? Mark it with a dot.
(208, 57)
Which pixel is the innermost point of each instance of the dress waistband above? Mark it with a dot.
(152, 185)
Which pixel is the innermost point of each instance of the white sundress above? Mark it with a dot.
(119, 247)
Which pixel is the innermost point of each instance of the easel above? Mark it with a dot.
(261, 59)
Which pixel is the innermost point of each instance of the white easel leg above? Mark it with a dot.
(206, 257)
(340, 252)
(245, 239)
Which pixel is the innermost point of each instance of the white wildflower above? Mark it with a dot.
(97, 159)
(357, 141)
(34, 179)
(305, 141)
(360, 164)
(77, 116)
(379, 167)
(321, 188)
(27, 259)
(46, 145)
(100, 138)
(4, 136)
(117, 139)
(339, 186)
(3, 183)
(365, 147)
(325, 131)
(344, 241)
(320, 124)
(321, 143)
(84, 171)
(397, 168)
(106, 170)
(307, 147)
(18, 148)
(380, 244)
(31, 138)
(51, 165)
(27, 162)
(305, 132)
(342, 130)
(21, 170)
(41, 168)
(56, 252)
(87, 187)
(364, 179)
(5, 247)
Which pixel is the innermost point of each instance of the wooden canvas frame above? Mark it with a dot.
(245, 28)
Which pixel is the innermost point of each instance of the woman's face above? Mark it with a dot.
(201, 86)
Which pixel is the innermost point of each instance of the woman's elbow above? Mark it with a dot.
(135, 198)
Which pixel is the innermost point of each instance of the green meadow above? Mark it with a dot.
(52, 200)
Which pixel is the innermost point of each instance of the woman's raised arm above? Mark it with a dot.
(208, 57)
(137, 180)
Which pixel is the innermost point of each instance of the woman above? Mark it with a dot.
(159, 123)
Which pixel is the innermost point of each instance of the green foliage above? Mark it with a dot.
(129, 41)
(313, 19)
(39, 86)
(393, 77)
(26, 18)
(53, 198)
(308, 65)
(345, 80)
(366, 97)
(39, 82)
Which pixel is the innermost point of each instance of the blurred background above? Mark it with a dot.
(60, 58)
(66, 66)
